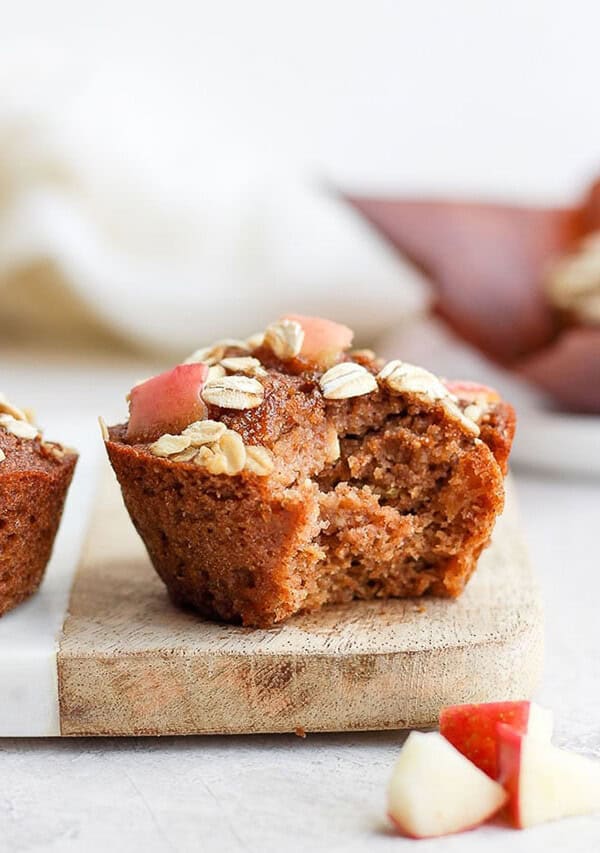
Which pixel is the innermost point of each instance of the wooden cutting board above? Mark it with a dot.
(130, 663)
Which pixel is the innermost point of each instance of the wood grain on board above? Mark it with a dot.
(130, 663)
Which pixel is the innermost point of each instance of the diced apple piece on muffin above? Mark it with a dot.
(323, 341)
(167, 403)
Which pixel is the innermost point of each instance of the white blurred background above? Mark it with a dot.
(173, 166)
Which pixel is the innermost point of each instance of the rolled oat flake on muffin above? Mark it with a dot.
(204, 432)
(234, 392)
(346, 380)
(285, 338)
(402, 377)
(243, 364)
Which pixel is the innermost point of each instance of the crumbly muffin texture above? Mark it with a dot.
(34, 479)
(315, 475)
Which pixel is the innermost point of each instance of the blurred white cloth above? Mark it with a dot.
(167, 253)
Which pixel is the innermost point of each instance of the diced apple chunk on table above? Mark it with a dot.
(544, 782)
(486, 757)
(436, 791)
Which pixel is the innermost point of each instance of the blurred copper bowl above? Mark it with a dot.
(486, 263)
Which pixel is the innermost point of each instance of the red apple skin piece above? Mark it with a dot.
(509, 766)
(324, 340)
(167, 403)
(472, 729)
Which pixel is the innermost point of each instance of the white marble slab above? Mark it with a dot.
(29, 634)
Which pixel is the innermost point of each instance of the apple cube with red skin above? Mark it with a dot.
(324, 341)
(435, 790)
(472, 729)
(544, 782)
(167, 403)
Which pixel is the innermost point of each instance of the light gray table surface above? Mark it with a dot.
(283, 793)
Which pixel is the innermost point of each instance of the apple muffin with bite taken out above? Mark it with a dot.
(272, 476)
